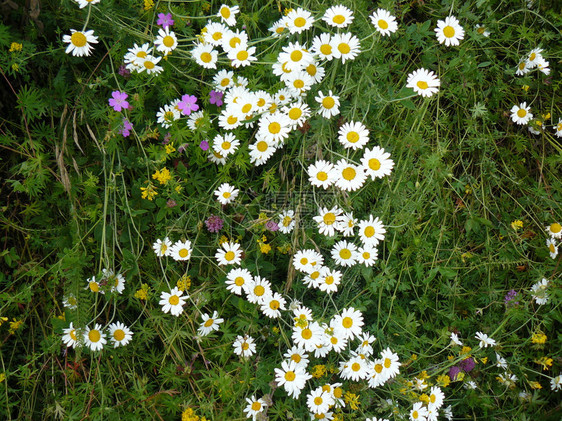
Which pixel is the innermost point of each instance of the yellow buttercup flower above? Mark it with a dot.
(163, 176)
(170, 148)
(444, 380)
(148, 4)
(516, 225)
(15, 46)
(538, 338)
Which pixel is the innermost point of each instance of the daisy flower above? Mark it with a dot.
(321, 174)
(229, 254)
(542, 65)
(355, 369)
(350, 177)
(238, 279)
(298, 20)
(485, 340)
(119, 334)
(233, 39)
(327, 220)
(242, 56)
(482, 30)
(418, 412)
(298, 82)
(322, 46)
(367, 255)
(552, 248)
(539, 291)
(365, 347)
(558, 128)
(214, 33)
(316, 72)
(384, 22)
(228, 14)
(556, 383)
(223, 80)
(226, 193)
(307, 260)
(117, 283)
(274, 128)
(181, 250)
(167, 115)
(329, 104)
(377, 162)
(522, 67)
(347, 224)
(345, 46)
(309, 337)
(166, 41)
(348, 324)
(521, 114)
(196, 120)
(229, 118)
(554, 230)
(336, 342)
(353, 135)
(312, 279)
(329, 280)
(436, 397)
(534, 57)
(390, 363)
(287, 221)
(319, 401)
(84, 3)
(225, 144)
(244, 346)
(377, 375)
(455, 339)
(272, 305)
(261, 151)
(94, 285)
(79, 42)
(344, 253)
(339, 17)
(423, 82)
(292, 378)
(254, 407)
(258, 290)
(371, 231)
(295, 56)
(205, 56)
(298, 355)
(449, 31)
(94, 338)
(279, 28)
(70, 337)
(150, 65)
(70, 301)
(173, 301)
(209, 324)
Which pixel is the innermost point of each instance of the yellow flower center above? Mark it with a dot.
(338, 392)
(551, 248)
(334, 340)
(245, 346)
(229, 255)
(338, 19)
(329, 218)
(239, 281)
(149, 65)
(347, 322)
(382, 24)
(374, 164)
(349, 173)
(555, 228)
(328, 102)
(329, 280)
(78, 39)
(422, 84)
(94, 286)
(242, 55)
(415, 415)
(256, 406)
(225, 12)
(73, 335)
(183, 253)
(432, 398)
(352, 137)
(246, 108)
(142, 54)
(521, 112)
(226, 145)
(94, 335)
(296, 55)
(168, 41)
(209, 322)
(481, 30)
(234, 41)
(300, 22)
(290, 376)
(322, 176)
(532, 56)
(355, 366)
(306, 333)
(226, 194)
(259, 290)
(449, 31)
(298, 83)
(232, 120)
(261, 146)
(369, 231)
(119, 335)
(274, 304)
(311, 69)
(318, 400)
(387, 362)
(174, 300)
(366, 255)
(217, 36)
(522, 65)
(315, 275)
(225, 82)
(326, 49)
(296, 358)
(344, 48)
(378, 368)
(274, 127)
(345, 254)
(206, 57)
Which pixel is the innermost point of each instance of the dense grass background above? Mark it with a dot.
(72, 206)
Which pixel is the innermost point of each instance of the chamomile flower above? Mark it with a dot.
(94, 285)
(216, 157)
(436, 397)
(70, 337)
(261, 151)
(423, 82)
(195, 120)
(84, 3)
(295, 56)
(321, 174)
(367, 255)
(117, 283)
(298, 20)
(229, 254)
(312, 279)
(521, 114)
(449, 31)
(552, 248)
(135, 56)
(298, 82)
(316, 72)
(209, 323)
(329, 280)
(225, 144)
(347, 224)
(292, 378)
(353, 135)
(279, 28)
(162, 247)
(242, 55)
(119, 334)
(319, 401)
(166, 41)
(418, 412)
(233, 39)
(336, 342)
(258, 290)
(181, 250)
(345, 46)
(384, 22)
(173, 301)
(272, 305)
(230, 118)
(150, 65)
(542, 65)
(327, 220)
(244, 346)
(556, 383)
(390, 362)
(255, 407)
(554, 230)
(167, 115)
(223, 80)
(482, 30)
(365, 346)
(205, 55)
(522, 67)
(226, 193)
(377, 162)
(70, 301)
(558, 128)
(356, 368)
(485, 340)
(94, 338)
(274, 128)
(350, 177)
(228, 14)
(309, 337)
(238, 280)
(338, 16)
(371, 231)
(287, 221)
(534, 57)
(307, 260)
(298, 355)
(344, 253)
(539, 291)
(348, 324)
(322, 46)
(329, 104)
(79, 42)
(377, 375)
(214, 33)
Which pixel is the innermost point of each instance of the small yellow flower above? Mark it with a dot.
(62, 317)
(287, 11)
(184, 282)
(148, 192)
(545, 116)
(466, 350)
(148, 4)
(170, 148)
(352, 399)
(15, 46)
(414, 357)
(142, 294)
(484, 360)
(468, 189)
(535, 385)
(163, 176)
(423, 375)
(2, 377)
(318, 371)
(2, 320)
(525, 87)
(538, 338)
(545, 362)
(444, 380)
(424, 398)
(460, 377)
(275, 330)
(223, 239)
(516, 225)
(15, 67)
(15, 325)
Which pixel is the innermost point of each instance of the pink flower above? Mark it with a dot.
(127, 127)
(118, 102)
(215, 98)
(165, 20)
(188, 104)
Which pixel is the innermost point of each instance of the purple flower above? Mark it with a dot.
(165, 20)
(216, 98)
(271, 225)
(118, 102)
(454, 372)
(214, 223)
(127, 127)
(171, 203)
(467, 364)
(183, 147)
(188, 104)
(204, 145)
(123, 71)
(510, 296)
(166, 139)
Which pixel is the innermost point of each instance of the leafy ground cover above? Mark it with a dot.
(275, 210)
